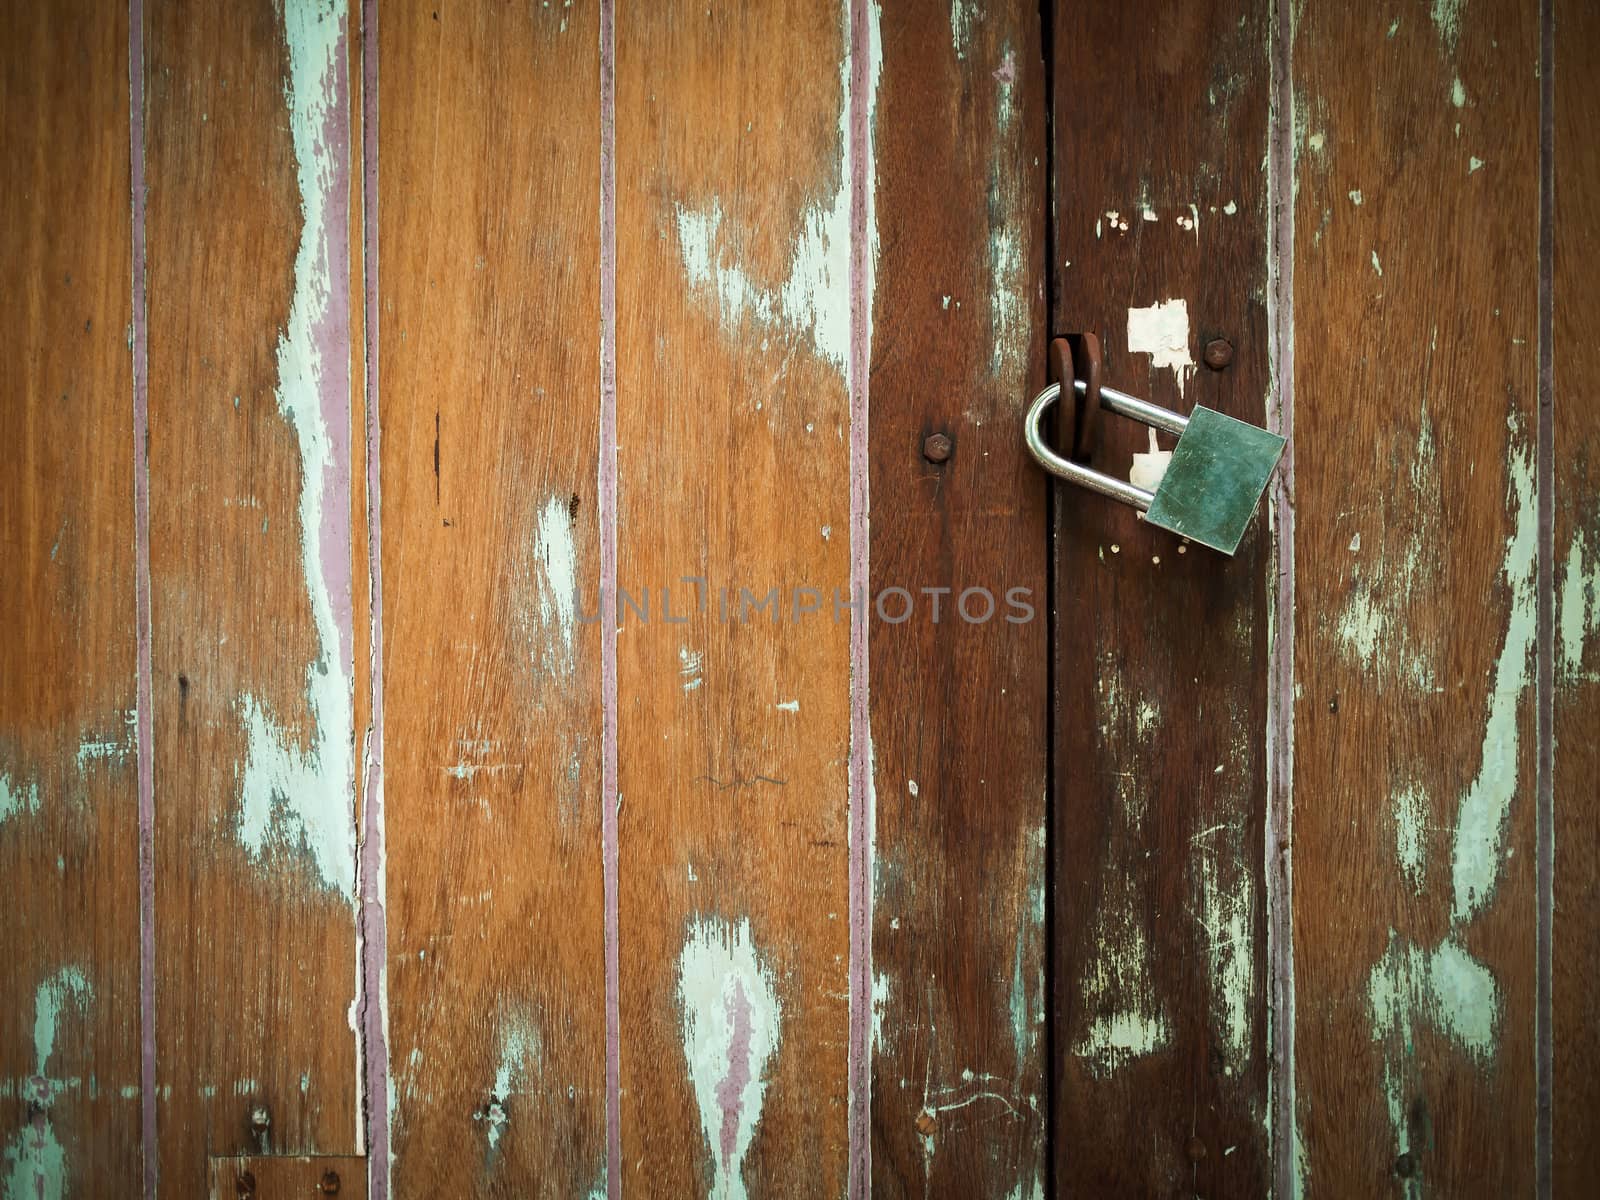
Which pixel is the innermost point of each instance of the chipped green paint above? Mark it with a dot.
(35, 1159)
(1376, 627)
(1026, 1002)
(1446, 16)
(1410, 808)
(1577, 608)
(294, 798)
(1480, 823)
(521, 1059)
(18, 795)
(1225, 909)
(1445, 987)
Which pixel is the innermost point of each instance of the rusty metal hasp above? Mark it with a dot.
(1218, 471)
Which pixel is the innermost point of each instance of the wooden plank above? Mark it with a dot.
(1576, 561)
(733, 430)
(1161, 649)
(488, 261)
(1416, 260)
(248, 185)
(69, 1004)
(284, 1178)
(959, 706)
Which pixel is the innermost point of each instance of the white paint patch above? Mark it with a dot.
(1479, 846)
(1357, 198)
(1008, 303)
(1458, 94)
(1162, 332)
(291, 796)
(35, 1160)
(1376, 265)
(731, 1027)
(554, 580)
(1150, 467)
(813, 300)
(17, 796)
(1231, 208)
(792, 706)
(1474, 163)
(1577, 608)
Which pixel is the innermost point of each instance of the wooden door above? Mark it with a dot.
(537, 663)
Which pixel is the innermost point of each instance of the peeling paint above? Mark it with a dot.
(553, 578)
(1162, 331)
(17, 796)
(731, 1020)
(1480, 824)
(1446, 16)
(963, 13)
(813, 300)
(1226, 912)
(289, 796)
(690, 667)
(1445, 987)
(520, 1062)
(35, 1159)
(1577, 607)
(1410, 808)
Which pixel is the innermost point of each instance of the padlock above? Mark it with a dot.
(1219, 469)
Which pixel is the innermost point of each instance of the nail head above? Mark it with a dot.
(937, 447)
(1219, 353)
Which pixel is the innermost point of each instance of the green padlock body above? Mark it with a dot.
(1218, 471)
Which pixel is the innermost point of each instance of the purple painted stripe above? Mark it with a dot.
(374, 931)
(862, 820)
(1280, 685)
(141, 524)
(1545, 868)
(608, 585)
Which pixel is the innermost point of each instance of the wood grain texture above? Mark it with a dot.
(69, 1003)
(733, 240)
(285, 1178)
(1416, 268)
(488, 259)
(247, 173)
(959, 706)
(1161, 649)
(1576, 927)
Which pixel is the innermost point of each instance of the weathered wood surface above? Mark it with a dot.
(1161, 650)
(1576, 578)
(488, 324)
(733, 458)
(69, 1000)
(247, 175)
(1416, 268)
(288, 1178)
(958, 706)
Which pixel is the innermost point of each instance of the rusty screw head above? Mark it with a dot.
(937, 447)
(260, 1119)
(330, 1183)
(1219, 353)
(1405, 1166)
(246, 1184)
(1196, 1149)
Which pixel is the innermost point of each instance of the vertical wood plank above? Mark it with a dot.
(959, 702)
(733, 250)
(488, 253)
(1576, 927)
(248, 226)
(1416, 266)
(1161, 649)
(69, 1004)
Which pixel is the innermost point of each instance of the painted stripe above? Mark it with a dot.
(862, 817)
(608, 585)
(141, 524)
(374, 920)
(1280, 679)
(1544, 721)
